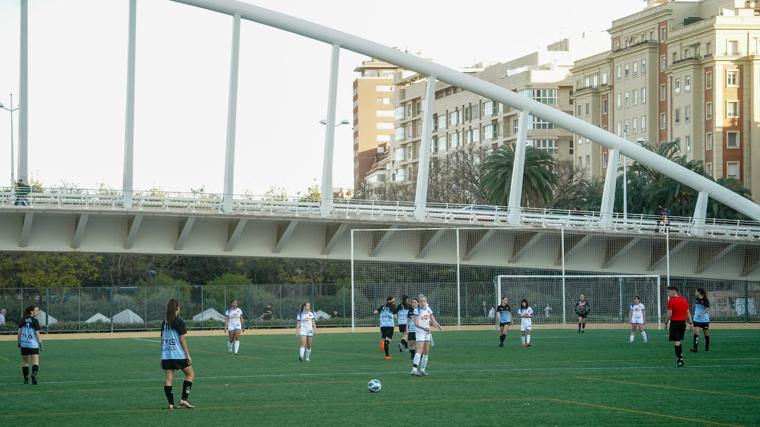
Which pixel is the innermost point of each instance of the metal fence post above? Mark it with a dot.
(79, 310)
(110, 306)
(203, 316)
(145, 307)
(47, 310)
(746, 301)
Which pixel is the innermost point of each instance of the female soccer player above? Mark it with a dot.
(30, 343)
(637, 318)
(582, 308)
(503, 319)
(701, 319)
(423, 318)
(175, 354)
(411, 330)
(401, 315)
(233, 324)
(306, 327)
(386, 324)
(526, 322)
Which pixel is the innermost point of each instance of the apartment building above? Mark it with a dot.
(373, 115)
(681, 71)
(462, 120)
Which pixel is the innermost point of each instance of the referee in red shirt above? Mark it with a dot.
(678, 313)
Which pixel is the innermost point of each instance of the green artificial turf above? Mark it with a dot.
(565, 378)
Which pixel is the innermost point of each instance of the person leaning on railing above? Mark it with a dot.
(22, 193)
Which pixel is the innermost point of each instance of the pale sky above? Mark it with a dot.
(77, 82)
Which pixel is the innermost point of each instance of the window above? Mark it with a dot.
(454, 140)
(627, 72)
(675, 57)
(588, 108)
(384, 125)
(399, 155)
(434, 145)
(604, 78)
(708, 48)
(635, 94)
(546, 96)
(399, 113)
(643, 123)
(515, 126)
(732, 78)
(663, 92)
(687, 113)
(663, 62)
(626, 128)
(635, 125)
(708, 79)
(476, 135)
(400, 134)
(618, 101)
(548, 145)
(383, 138)
(442, 121)
(627, 99)
(677, 116)
(677, 86)
(605, 157)
(687, 142)
(605, 105)
(732, 140)
(733, 169)
(383, 101)
(708, 111)
(687, 84)
(618, 72)
(635, 69)
(732, 109)
(663, 34)
(587, 82)
(618, 128)
(643, 95)
(453, 118)
(467, 136)
(643, 66)
(579, 108)
(539, 123)
(708, 141)
(487, 108)
(663, 121)
(488, 132)
(595, 80)
(732, 47)
(384, 88)
(385, 113)
(709, 168)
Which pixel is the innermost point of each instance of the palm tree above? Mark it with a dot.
(538, 177)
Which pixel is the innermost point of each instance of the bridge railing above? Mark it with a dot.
(247, 204)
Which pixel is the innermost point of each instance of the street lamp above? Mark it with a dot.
(325, 203)
(11, 109)
(342, 122)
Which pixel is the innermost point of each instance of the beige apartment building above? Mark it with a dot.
(683, 71)
(462, 119)
(373, 114)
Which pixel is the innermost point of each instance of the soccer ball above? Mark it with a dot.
(374, 386)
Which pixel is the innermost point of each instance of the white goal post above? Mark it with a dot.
(609, 296)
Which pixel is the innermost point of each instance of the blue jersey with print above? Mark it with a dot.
(410, 319)
(402, 314)
(700, 306)
(386, 315)
(505, 315)
(171, 348)
(29, 326)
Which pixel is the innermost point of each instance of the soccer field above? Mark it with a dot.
(596, 378)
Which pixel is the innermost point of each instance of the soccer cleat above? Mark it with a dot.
(424, 373)
(414, 372)
(527, 345)
(693, 350)
(387, 358)
(26, 380)
(501, 344)
(645, 341)
(400, 348)
(300, 359)
(583, 331)
(679, 364)
(417, 373)
(307, 360)
(186, 404)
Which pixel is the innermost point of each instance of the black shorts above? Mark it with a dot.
(505, 324)
(173, 364)
(677, 330)
(402, 328)
(29, 351)
(412, 336)
(584, 315)
(386, 331)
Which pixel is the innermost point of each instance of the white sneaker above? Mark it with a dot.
(307, 360)
(423, 373)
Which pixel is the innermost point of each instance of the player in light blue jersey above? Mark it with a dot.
(175, 354)
(402, 315)
(411, 329)
(386, 324)
(503, 319)
(701, 319)
(30, 342)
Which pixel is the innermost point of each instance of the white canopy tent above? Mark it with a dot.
(97, 317)
(44, 319)
(127, 316)
(209, 314)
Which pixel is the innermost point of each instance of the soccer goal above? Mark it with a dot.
(553, 297)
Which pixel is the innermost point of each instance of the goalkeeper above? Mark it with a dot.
(582, 309)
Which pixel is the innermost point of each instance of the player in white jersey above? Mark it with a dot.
(637, 318)
(306, 327)
(423, 319)
(526, 322)
(234, 325)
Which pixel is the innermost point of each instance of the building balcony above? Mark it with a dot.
(645, 43)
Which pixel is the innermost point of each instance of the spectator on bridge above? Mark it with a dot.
(22, 193)
(268, 314)
(664, 217)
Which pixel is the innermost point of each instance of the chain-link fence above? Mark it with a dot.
(107, 309)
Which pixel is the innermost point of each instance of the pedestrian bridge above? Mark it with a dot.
(257, 226)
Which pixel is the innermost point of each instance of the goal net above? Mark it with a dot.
(553, 297)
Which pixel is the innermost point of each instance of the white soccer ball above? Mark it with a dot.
(374, 386)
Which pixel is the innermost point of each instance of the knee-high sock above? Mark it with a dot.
(696, 341)
(501, 337)
(644, 335)
(707, 343)
(679, 351)
(308, 353)
(237, 345)
(522, 338)
(25, 370)
(412, 352)
(416, 363)
(387, 347)
(403, 342)
(584, 325)
(302, 350)
(424, 362)
(527, 338)
(579, 326)
(35, 369)
(631, 338)
(169, 394)
(186, 386)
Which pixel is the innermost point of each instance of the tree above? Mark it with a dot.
(42, 270)
(456, 177)
(538, 178)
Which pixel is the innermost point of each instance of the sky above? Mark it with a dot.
(77, 82)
